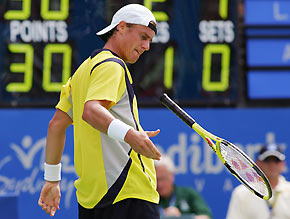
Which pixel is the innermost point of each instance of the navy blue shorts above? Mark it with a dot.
(125, 209)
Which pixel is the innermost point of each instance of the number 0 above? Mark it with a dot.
(209, 50)
(65, 49)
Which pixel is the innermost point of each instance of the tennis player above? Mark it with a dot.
(113, 155)
(244, 204)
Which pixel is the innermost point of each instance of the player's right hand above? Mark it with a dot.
(141, 143)
(50, 197)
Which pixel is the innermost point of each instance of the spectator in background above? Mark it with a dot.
(245, 205)
(176, 200)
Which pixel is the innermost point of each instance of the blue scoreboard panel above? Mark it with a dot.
(268, 51)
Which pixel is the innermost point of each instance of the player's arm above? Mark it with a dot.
(97, 115)
(56, 137)
(50, 194)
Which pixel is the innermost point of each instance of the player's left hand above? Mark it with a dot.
(50, 197)
(141, 143)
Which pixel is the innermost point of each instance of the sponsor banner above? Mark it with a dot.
(22, 154)
(23, 137)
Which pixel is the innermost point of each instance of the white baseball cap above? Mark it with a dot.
(273, 150)
(133, 14)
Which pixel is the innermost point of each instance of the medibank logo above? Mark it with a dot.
(191, 154)
(21, 170)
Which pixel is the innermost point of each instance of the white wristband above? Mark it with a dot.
(118, 130)
(52, 172)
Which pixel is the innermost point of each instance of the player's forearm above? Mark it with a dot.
(54, 145)
(96, 114)
(55, 140)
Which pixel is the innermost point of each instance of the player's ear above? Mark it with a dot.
(121, 27)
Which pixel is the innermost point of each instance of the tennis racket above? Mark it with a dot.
(238, 163)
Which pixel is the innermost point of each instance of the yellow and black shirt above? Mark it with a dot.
(109, 171)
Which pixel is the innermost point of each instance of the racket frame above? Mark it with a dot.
(209, 138)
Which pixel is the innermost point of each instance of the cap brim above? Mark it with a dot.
(277, 154)
(105, 30)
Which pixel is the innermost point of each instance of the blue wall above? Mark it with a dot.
(22, 144)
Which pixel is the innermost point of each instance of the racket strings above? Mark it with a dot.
(243, 168)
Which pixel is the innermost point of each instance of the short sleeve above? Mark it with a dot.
(65, 100)
(106, 82)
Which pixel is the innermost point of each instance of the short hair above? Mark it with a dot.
(108, 35)
(165, 161)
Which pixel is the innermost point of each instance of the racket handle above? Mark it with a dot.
(170, 104)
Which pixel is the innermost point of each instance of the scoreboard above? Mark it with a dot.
(193, 57)
(268, 51)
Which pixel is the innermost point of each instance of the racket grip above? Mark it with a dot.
(170, 104)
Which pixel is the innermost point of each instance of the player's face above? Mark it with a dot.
(136, 40)
(165, 181)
